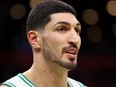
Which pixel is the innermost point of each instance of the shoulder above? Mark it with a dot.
(18, 81)
(75, 83)
(10, 82)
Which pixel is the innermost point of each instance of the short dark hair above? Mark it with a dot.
(39, 16)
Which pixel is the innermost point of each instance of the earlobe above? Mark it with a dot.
(33, 38)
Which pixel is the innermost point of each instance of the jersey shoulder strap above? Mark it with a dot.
(19, 81)
(74, 83)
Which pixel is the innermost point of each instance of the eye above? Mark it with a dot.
(62, 29)
(78, 30)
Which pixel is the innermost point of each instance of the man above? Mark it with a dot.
(53, 33)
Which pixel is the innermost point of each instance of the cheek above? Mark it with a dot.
(55, 43)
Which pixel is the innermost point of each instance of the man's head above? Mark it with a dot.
(40, 14)
(59, 41)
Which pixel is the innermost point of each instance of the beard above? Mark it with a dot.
(53, 56)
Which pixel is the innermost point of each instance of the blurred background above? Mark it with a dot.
(97, 59)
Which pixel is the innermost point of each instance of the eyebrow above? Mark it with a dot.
(63, 22)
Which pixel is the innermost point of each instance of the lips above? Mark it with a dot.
(71, 51)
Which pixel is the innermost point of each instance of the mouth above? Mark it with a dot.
(72, 53)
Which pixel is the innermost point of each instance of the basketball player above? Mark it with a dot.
(54, 35)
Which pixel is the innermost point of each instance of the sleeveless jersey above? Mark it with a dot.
(21, 81)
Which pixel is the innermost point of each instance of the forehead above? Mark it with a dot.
(66, 17)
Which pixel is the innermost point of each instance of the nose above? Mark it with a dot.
(74, 37)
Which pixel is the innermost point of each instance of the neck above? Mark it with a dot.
(44, 74)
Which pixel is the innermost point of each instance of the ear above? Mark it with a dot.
(34, 38)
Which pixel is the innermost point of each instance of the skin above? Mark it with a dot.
(51, 51)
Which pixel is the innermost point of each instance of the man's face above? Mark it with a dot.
(61, 40)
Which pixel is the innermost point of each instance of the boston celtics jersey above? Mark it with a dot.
(21, 81)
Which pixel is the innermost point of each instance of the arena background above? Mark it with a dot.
(97, 58)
